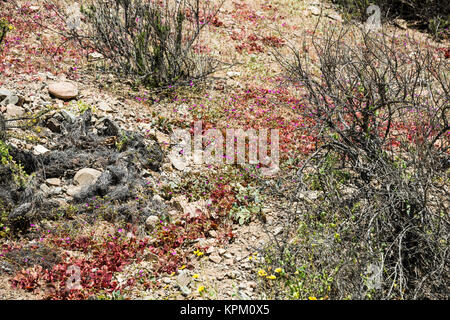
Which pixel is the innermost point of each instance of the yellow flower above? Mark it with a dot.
(262, 273)
(199, 254)
(195, 276)
(183, 267)
(278, 270)
(312, 298)
(201, 288)
(271, 277)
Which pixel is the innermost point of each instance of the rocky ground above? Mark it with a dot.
(94, 152)
(77, 159)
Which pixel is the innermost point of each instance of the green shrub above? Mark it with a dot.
(4, 28)
(19, 175)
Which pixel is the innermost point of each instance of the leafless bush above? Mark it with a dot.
(371, 206)
(151, 40)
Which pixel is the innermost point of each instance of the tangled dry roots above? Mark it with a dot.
(80, 146)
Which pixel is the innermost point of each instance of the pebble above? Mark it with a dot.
(151, 222)
(315, 11)
(40, 149)
(44, 188)
(63, 90)
(73, 190)
(215, 258)
(69, 116)
(53, 182)
(86, 176)
(14, 111)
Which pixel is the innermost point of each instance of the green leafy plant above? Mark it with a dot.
(122, 143)
(4, 211)
(5, 27)
(248, 204)
(19, 175)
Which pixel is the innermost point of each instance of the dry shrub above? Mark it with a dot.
(371, 207)
(152, 41)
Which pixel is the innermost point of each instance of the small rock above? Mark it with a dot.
(228, 255)
(183, 281)
(215, 258)
(315, 11)
(86, 176)
(233, 274)
(55, 191)
(402, 24)
(246, 266)
(20, 211)
(73, 190)
(63, 90)
(158, 198)
(151, 222)
(69, 116)
(62, 202)
(53, 182)
(14, 111)
(103, 106)
(310, 195)
(228, 262)
(213, 233)
(95, 55)
(44, 188)
(162, 138)
(54, 125)
(334, 16)
(243, 286)
(34, 8)
(40, 149)
(167, 167)
(278, 230)
(233, 74)
(110, 127)
(185, 290)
